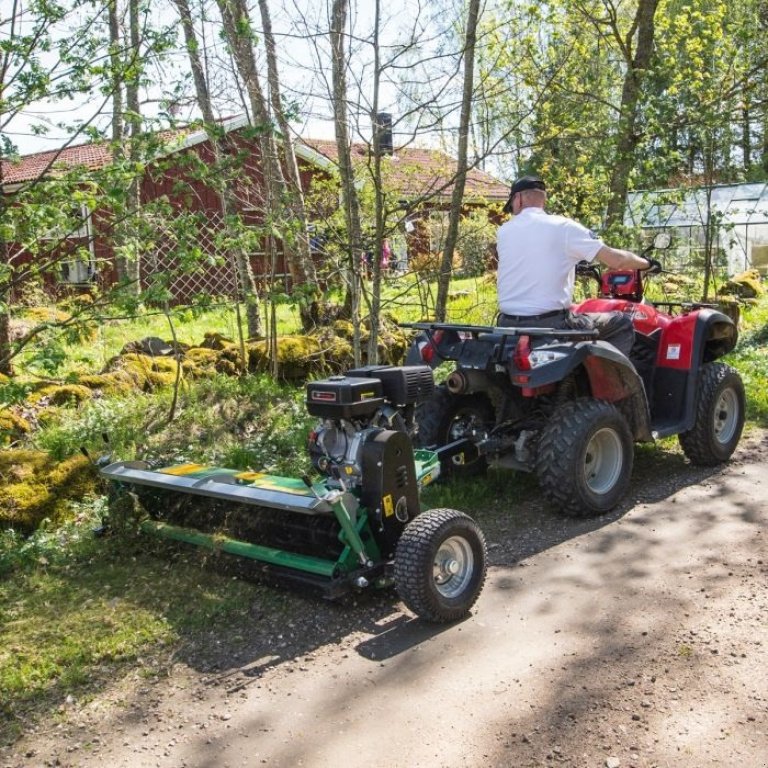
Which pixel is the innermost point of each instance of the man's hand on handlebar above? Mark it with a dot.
(654, 266)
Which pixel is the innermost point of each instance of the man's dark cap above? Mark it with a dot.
(523, 183)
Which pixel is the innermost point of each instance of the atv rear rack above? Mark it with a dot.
(479, 330)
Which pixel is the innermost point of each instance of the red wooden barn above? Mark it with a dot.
(419, 183)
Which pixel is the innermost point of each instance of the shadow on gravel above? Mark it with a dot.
(519, 523)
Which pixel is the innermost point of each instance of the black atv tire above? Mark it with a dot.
(584, 458)
(440, 565)
(720, 406)
(446, 417)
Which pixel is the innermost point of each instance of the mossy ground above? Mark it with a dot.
(35, 487)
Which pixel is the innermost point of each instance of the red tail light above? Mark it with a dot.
(522, 356)
(428, 348)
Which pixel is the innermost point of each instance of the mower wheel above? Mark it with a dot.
(440, 564)
(446, 417)
(719, 416)
(584, 459)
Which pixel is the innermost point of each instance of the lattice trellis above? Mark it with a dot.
(214, 273)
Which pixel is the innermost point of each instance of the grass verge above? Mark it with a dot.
(76, 613)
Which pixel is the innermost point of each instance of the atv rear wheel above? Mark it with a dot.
(585, 455)
(719, 416)
(440, 564)
(445, 418)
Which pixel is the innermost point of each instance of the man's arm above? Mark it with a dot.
(618, 259)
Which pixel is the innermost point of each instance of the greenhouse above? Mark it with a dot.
(736, 216)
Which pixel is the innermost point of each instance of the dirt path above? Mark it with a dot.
(640, 639)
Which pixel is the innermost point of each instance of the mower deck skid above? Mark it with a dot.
(316, 533)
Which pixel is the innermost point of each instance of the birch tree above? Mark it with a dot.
(457, 194)
(225, 185)
(349, 196)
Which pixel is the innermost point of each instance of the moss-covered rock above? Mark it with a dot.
(107, 383)
(199, 362)
(60, 394)
(40, 315)
(34, 487)
(202, 357)
(12, 427)
(216, 341)
(151, 345)
(143, 371)
(344, 329)
(160, 379)
(745, 285)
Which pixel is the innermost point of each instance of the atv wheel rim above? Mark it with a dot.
(726, 416)
(603, 461)
(453, 566)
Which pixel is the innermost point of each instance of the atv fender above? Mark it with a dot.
(718, 335)
(688, 342)
(611, 377)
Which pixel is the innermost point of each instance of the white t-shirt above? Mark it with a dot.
(538, 252)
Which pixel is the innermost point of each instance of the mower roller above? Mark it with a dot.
(359, 524)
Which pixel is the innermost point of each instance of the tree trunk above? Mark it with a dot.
(346, 171)
(133, 203)
(6, 366)
(378, 240)
(246, 282)
(444, 277)
(305, 267)
(116, 76)
(627, 138)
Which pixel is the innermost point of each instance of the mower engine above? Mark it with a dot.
(356, 407)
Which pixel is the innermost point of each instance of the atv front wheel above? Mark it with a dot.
(440, 564)
(719, 416)
(445, 418)
(585, 455)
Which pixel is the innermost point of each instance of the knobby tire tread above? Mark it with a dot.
(698, 444)
(562, 438)
(413, 564)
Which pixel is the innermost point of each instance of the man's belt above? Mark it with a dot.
(542, 316)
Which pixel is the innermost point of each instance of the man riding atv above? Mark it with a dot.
(565, 392)
(538, 253)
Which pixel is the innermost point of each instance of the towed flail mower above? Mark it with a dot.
(359, 525)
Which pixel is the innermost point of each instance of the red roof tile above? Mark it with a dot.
(418, 171)
(30, 167)
(413, 171)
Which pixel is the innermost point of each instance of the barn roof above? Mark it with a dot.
(413, 171)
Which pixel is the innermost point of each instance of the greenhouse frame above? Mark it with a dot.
(736, 216)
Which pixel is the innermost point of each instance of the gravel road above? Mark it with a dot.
(635, 640)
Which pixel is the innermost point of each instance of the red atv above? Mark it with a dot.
(568, 407)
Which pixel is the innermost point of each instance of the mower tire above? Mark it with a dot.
(719, 421)
(440, 565)
(584, 459)
(446, 417)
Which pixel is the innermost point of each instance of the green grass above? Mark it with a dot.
(751, 359)
(76, 612)
(245, 423)
(408, 299)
